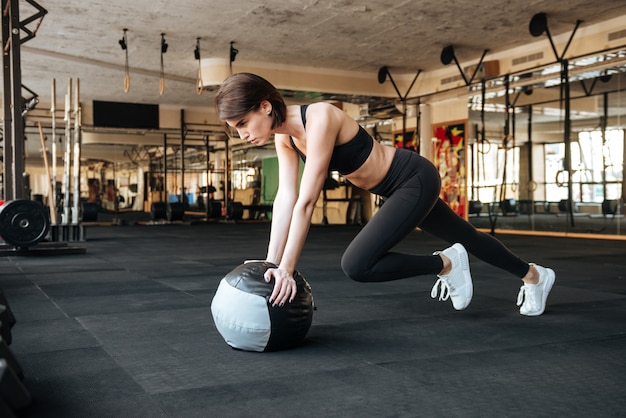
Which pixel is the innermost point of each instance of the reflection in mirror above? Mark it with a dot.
(540, 162)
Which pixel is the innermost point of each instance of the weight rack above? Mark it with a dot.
(24, 223)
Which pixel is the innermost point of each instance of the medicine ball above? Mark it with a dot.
(247, 321)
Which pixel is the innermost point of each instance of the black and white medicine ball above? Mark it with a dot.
(247, 321)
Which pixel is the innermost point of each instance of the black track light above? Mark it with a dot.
(447, 55)
(164, 44)
(123, 40)
(538, 24)
(382, 74)
(233, 52)
(196, 52)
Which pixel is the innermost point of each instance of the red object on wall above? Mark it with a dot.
(449, 156)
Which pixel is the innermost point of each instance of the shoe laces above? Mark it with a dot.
(443, 288)
(524, 296)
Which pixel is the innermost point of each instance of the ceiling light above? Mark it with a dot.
(162, 74)
(447, 55)
(382, 74)
(233, 51)
(538, 24)
(123, 41)
(196, 52)
(164, 44)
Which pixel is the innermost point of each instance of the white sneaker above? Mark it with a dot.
(456, 285)
(532, 297)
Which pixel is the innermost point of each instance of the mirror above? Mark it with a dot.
(540, 162)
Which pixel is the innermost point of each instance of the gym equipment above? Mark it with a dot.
(7, 320)
(214, 209)
(13, 394)
(475, 207)
(235, 211)
(612, 207)
(508, 206)
(89, 211)
(247, 321)
(175, 211)
(383, 74)
(50, 180)
(7, 355)
(77, 150)
(537, 27)
(158, 210)
(23, 222)
(565, 206)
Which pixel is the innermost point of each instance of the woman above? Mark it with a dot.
(326, 138)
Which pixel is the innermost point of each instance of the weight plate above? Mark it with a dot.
(158, 210)
(89, 211)
(23, 223)
(235, 211)
(175, 211)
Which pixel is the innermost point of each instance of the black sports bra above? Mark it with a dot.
(348, 157)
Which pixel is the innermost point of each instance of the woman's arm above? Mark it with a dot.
(321, 133)
(286, 196)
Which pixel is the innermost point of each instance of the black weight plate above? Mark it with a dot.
(89, 211)
(214, 209)
(235, 210)
(158, 210)
(23, 223)
(175, 211)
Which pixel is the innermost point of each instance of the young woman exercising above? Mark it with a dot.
(328, 139)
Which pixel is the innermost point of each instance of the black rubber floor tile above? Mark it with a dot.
(130, 327)
(60, 264)
(158, 269)
(131, 406)
(208, 282)
(169, 350)
(134, 302)
(584, 378)
(13, 280)
(362, 391)
(50, 335)
(29, 303)
(83, 382)
(84, 276)
(615, 284)
(103, 288)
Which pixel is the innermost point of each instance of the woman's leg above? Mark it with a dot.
(443, 223)
(368, 257)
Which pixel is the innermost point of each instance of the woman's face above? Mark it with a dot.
(256, 126)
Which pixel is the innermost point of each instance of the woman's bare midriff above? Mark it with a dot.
(374, 169)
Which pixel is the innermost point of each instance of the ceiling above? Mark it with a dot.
(80, 40)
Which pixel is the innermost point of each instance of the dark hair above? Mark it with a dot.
(243, 92)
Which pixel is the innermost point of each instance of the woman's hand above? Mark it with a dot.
(285, 287)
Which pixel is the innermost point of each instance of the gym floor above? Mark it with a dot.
(126, 330)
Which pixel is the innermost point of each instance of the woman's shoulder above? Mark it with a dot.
(322, 107)
(325, 113)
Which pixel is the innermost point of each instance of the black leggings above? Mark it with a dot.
(412, 200)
